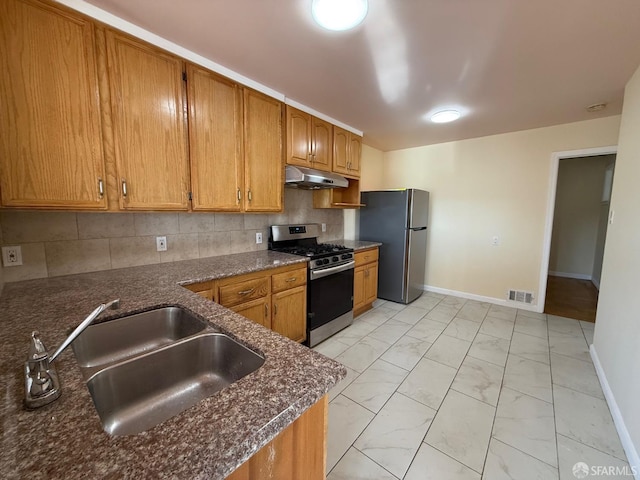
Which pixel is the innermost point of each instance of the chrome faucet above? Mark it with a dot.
(41, 378)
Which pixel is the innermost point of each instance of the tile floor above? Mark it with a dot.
(448, 388)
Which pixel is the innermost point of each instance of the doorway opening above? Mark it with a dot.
(577, 221)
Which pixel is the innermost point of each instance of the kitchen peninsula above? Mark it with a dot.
(209, 440)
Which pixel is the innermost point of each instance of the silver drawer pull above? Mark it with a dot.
(100, 187)
(289, 280)
(275, 309)
(124, 187)
(247, 292)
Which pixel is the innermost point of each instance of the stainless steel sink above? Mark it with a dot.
(146, 368)
(122, 338)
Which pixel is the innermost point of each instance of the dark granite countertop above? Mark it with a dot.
(65, 439)
(358, 244)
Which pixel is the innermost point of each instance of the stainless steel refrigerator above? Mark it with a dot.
(397, 219)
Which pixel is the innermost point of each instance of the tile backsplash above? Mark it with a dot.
(62, 243)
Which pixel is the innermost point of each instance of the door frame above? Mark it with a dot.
(551, 206)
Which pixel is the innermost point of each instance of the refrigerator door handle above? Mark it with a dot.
(418, 229)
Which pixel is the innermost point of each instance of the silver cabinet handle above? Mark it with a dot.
(239, 195)
(124, 187)
(100, 187)
(249, 194)
(275, 309)
(266, 309)
(247, 292)
(292, 279)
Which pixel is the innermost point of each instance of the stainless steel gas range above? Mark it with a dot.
(329, 278)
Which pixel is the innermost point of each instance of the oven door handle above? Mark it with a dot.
(315, 274)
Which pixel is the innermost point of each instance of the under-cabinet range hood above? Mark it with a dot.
(310, 179)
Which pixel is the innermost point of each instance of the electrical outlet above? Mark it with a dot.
(12, 256)
(161, 244)
(495, 241)
(324, 227)
(258, 237)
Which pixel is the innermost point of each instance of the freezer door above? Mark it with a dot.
(415, 269)
(384, 211)
(418, 208)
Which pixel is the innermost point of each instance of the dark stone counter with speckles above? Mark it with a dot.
(65, 439)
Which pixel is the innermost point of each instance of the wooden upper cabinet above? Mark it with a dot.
(355, 152)
(263, 165)
(215, 141)
(149, 125)
(322, 146)
(347, 148)
(51, 153)
(298, 137)
(309, 140)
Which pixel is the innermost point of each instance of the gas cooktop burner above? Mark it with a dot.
(314, 250)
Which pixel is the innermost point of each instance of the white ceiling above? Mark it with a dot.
(508, 64)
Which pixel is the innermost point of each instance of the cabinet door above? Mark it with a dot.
(355, 151)
(298, 137)
(257, 311)
(340, 150)
(290, 313)
(322, 148)
(147, 102)
(215, 141)
(370, 283)
(264, 169)
(51, 142)
(358, 287)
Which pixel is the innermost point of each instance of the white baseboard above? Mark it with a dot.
(577, 276)
(482, 298)
(596, 283)
(625, 438)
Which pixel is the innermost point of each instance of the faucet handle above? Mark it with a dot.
(37, 350)
(41, 379)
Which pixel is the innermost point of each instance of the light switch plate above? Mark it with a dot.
(258, 237)
(12, 256)
(324, 227)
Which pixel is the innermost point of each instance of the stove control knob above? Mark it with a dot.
(325, 261)
(318, 262)
(335, 259)
(345, 256)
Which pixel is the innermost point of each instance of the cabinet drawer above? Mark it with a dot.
(366, 256)
(241, 292)
(286, 280)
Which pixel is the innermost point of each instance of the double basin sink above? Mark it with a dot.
(145, 368)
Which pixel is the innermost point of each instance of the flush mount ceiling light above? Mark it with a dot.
(339, 15)
(596, 107)
(445, 116)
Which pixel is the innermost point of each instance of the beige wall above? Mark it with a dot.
(488, 186)
(617, 334)
(577, 213)
(61, 243)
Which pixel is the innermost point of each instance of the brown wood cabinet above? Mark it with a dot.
(263, 165)
(276, 299)
(347, 149)
(365, 280)
(309, 140)
(299, 452)
(288, 307)
(51, 153)
(215, 141)
(149, 125)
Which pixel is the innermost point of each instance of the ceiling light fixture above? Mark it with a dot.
(445, 116)
(339, 15)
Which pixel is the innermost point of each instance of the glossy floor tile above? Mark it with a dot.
(454, 389)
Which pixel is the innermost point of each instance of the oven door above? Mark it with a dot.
(329, 297)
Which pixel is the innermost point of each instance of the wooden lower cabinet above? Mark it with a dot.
(276, 299)
(257, 311)
(299, 452)
(365, 280)
(288, 307)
